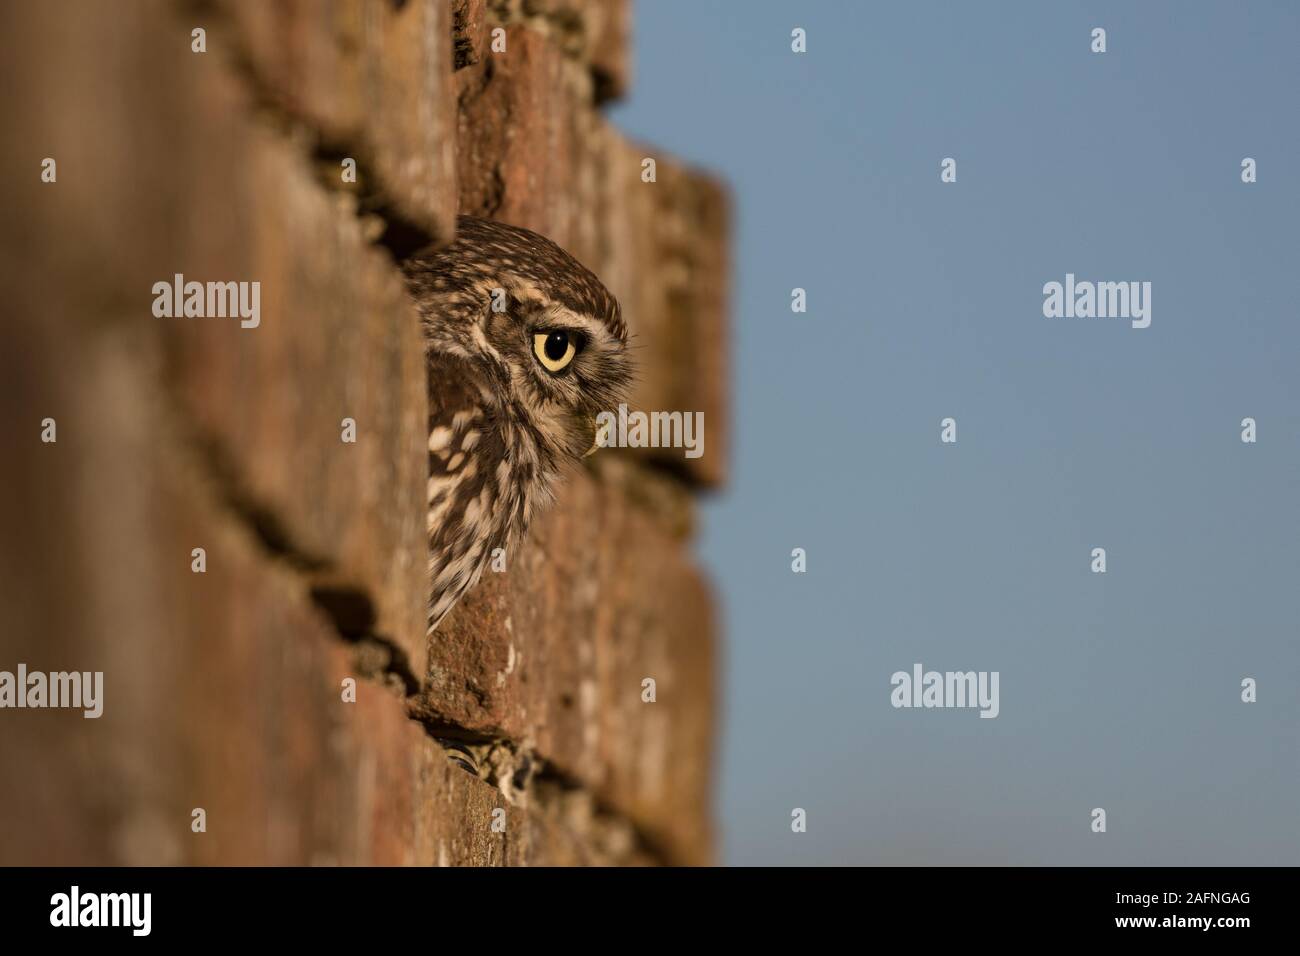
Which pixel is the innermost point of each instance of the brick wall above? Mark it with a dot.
(224, 689)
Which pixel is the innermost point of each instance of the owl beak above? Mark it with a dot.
(599, 437)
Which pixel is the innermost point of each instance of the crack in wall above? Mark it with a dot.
(462, 44)
(524, 778)
(259, 519)
(401, 235)
(352, 613)
(476, 85)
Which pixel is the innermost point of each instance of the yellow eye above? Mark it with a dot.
(554, 350)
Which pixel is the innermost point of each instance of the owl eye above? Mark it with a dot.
(555, 350)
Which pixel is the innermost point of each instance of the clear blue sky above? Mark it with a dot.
(925, 301)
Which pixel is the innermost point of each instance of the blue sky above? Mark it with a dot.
(1118, 690)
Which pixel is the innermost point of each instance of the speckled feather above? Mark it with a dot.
(501, 427)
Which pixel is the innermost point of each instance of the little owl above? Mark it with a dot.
(525, 346)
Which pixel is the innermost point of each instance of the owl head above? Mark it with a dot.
(544, 336)
(525, 348)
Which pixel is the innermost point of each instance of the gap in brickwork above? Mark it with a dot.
(400, 235)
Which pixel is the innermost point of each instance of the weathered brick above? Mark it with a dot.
(469, 32)
(662, 247)
(373, 79)
(594, 34)
(553, 652)
(196, 185)
(221, 688)
(338, 340)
